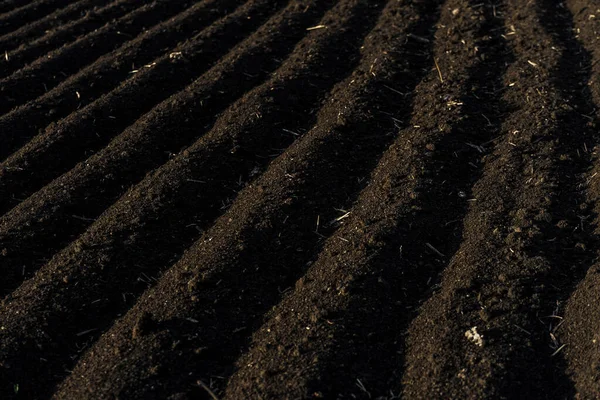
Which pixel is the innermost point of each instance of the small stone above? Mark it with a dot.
(473, 336)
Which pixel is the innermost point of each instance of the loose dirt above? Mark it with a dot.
(286, 199)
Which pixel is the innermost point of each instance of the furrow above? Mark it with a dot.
(317, 60)
(219, 297)
(10, 5)
(32, 232)
(16, 58)
(339, 333)
(486, 332)
(299, 199)
(31, 31)
(578, 331)
(51, 69)
(114, 111)
(14, 19)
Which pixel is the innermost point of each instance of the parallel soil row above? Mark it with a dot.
(96, 183)
(52, 21)
(376, 265)
(299, 199)
(108, 113)
(579, 328)
(489, 330)
(26, 52)
(8, 5)
(12, 19)
(297, 190)
(47, 71)
(179, 177)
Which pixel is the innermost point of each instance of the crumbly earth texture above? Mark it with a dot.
(299, 199)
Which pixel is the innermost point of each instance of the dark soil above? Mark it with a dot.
(275, 199)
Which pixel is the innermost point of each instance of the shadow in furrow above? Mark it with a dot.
(145, 245)
(91, 192)
(365, 156)
(403, 273)
(570, 251)
(272, 254)
(12, 20)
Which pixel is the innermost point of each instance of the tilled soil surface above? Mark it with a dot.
(294, 199)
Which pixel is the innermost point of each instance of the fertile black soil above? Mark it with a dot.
(275, 199)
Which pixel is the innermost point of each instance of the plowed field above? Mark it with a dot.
(294, 199)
